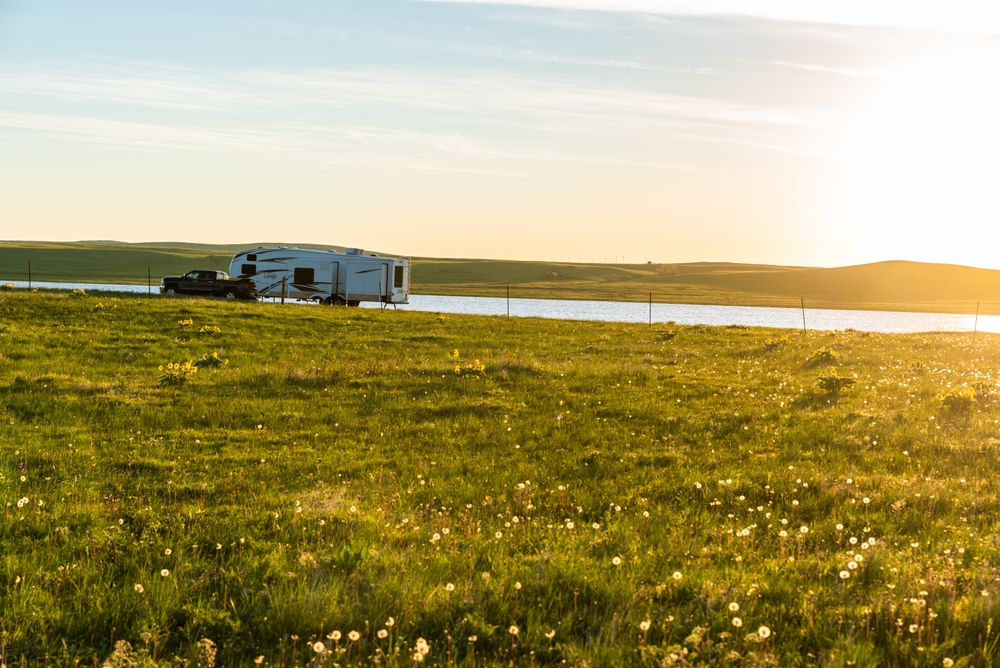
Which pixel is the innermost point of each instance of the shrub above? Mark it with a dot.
(212, 361)
(958, 401)
(185, 323)
(177, 374)
(467, 367)
(822, 355)
(78, 293)
(7, 286)
(209, 329)
(775, 344)
(832, 383)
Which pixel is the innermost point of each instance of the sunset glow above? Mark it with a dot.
(822, 133)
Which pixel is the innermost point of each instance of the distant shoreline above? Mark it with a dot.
(883, 286)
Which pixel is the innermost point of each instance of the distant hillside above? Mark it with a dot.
(892, 285)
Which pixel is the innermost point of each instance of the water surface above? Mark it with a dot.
(682, 314)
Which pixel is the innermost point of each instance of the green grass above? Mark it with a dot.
(902, 286)
(345, 466)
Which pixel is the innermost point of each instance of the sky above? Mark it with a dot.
(796, 132)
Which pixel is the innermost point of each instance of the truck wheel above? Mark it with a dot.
(170, 290)
(230, 294)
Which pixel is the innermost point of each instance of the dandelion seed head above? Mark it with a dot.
(737, 622)
(764, 632)
(617, 561)
(353, 636)
(734, 607)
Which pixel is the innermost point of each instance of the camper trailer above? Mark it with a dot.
(327, 277)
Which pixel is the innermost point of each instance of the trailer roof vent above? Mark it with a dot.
(354, 251)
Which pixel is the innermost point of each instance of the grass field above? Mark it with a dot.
(902, 286)
(615, 494)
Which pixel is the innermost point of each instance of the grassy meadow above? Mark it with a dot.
(341, 487)
(894, 286)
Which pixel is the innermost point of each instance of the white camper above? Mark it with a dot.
(328, 277)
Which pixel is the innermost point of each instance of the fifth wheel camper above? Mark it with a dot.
(328, 277)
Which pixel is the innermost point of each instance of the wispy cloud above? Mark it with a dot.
(413, 120)
(858, 72)
(484, 51)
(972, 16)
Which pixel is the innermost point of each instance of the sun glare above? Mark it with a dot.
(923, 164)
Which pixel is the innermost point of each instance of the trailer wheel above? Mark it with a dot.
(336, 300)
(354, 303)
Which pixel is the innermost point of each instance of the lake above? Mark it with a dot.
(682, 314)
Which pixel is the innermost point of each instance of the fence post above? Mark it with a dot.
(508, 301)
(29, 274)
(975, 325)
(149, 281)
(650, 309)
(283, 279)
(803, 300)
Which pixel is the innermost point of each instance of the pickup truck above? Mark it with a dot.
(210, 284)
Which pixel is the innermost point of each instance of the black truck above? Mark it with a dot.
(209, 283)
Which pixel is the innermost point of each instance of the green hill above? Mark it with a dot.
(895, 285)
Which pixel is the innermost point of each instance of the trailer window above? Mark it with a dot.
(252, 257)
(248, 269)
(398, 277)
(304, 275)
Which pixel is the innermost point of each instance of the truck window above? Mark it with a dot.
(248, 269)
(398, 277)
(304, 275)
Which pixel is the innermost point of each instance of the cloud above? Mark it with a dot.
(843, 71)
(971, 16)
(468, 121)
(486, 51)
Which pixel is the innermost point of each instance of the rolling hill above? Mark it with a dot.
(892, 285)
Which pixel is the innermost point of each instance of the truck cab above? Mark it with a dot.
(207, 283)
